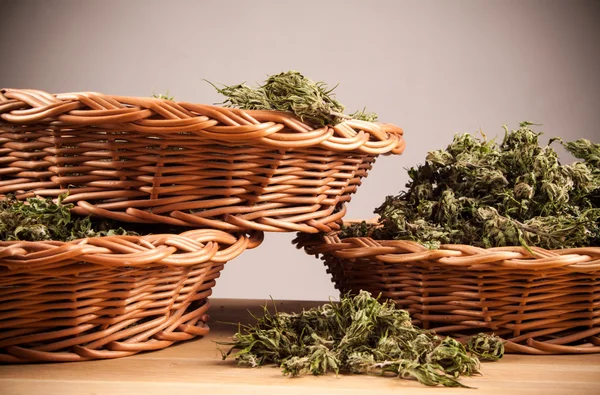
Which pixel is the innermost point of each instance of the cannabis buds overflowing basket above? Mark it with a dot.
(158, 161)
(539, 301)
(108, 297)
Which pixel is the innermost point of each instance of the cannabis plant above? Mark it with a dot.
(359, 334)
(312, 102)
(489, 194)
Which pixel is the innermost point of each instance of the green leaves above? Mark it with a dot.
(312, 102)
(485, 194)
(359, 334)
(165, 96)
(42, 219)
(363, 115)
(585, 150)
(486, 347)
(453, 358)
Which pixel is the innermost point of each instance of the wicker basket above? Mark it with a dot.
(152, 160)
(546, 303)
(108, 297)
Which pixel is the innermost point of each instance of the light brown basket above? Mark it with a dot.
(152, 160)
(547, 302)
(108, 297)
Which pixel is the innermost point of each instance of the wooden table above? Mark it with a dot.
(196, 368)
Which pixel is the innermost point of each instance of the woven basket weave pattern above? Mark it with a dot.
(108, 297)
(152, 160)
(549, 303)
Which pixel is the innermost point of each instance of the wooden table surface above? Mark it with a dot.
(196, 368)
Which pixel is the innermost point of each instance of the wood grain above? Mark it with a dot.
(196, 368)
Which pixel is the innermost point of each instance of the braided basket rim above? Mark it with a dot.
(581, 259)
(152, 115)
(177, 250)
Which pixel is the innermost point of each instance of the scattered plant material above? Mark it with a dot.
(164, 96)
(359, 334)
(486, 347)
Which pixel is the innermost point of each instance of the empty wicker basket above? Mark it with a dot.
(108, 297)
(547, 302)
(154, 160)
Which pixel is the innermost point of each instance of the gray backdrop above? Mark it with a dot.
(435, 68)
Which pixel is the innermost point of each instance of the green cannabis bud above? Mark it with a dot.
(486, 347)
(313, 102)
(489, 194)
(359, 334)
(39, 219)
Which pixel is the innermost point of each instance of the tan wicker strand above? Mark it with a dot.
(152, 160)
(109, 297)
(539, 301)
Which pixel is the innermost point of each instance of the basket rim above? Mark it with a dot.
(186, 249)
(216, 123)
(509, 258)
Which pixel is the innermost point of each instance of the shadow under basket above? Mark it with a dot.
(547, 302)
(108, 297)
(150, 160)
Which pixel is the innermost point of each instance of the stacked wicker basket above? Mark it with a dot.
(538, 301)
(227, 174)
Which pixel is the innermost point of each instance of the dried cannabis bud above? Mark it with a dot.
(312, 102)
(485, 194)
(42, 219)
(165, 96)
(358, 335)
(486, 347)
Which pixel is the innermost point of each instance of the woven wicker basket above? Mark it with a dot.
(108, 297)
(543, 304)
(152, 160)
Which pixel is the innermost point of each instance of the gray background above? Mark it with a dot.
(435, 68)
